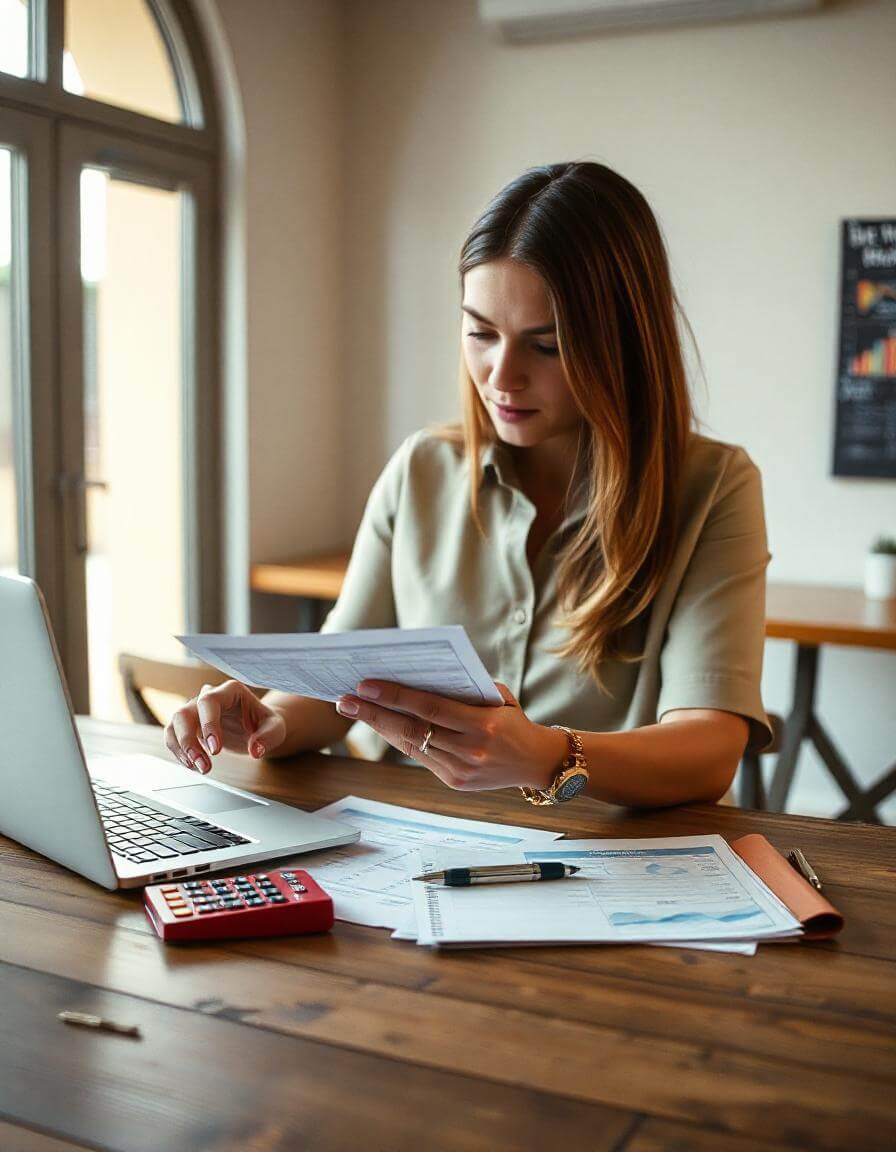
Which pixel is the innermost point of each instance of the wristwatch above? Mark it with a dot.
(571, 776)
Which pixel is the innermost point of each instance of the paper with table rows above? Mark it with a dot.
(368, 880)
(328, 665)
(649, 891)
(407, 926)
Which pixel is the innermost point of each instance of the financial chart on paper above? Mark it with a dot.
(662, 886)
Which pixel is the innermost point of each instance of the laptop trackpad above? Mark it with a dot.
(204, 798)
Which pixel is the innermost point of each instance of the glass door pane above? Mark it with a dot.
(9, 512)
(116, 53)
(14, 21)
(131, 273)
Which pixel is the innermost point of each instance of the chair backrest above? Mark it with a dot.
(183, 678)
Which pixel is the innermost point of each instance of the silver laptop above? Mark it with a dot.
(121, 821)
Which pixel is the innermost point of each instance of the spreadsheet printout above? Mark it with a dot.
(328, 665)
(651, 890)
(368, 880)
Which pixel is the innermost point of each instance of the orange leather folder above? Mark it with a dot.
(820, 920)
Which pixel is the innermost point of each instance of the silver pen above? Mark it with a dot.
(88, 1020)
(500, 874)
(802, 865)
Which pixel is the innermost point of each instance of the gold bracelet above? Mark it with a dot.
(571, 777)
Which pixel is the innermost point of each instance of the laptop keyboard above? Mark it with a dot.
(142, 830)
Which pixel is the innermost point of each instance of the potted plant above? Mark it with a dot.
(880, 569)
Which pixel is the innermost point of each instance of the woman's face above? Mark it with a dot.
(510, 348)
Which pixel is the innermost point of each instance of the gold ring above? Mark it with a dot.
(426, 740)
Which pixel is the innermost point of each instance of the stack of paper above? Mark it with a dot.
(683, 890)
(687, 891)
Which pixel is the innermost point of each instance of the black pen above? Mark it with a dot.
(500, 874)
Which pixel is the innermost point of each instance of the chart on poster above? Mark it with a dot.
(865, 432)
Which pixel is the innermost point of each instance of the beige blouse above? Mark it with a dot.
(418, 561)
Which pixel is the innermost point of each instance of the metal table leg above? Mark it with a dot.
(311, 613)
(802, 724)
(877, 792)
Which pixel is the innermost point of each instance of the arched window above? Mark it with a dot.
(109, 397)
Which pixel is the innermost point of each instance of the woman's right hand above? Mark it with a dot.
(228, 717)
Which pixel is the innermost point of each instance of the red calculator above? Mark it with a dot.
(280, 903)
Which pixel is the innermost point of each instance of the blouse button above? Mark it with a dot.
(520, 616)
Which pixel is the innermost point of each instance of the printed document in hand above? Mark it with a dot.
(659, 890)
(368, 880)
(329, 665)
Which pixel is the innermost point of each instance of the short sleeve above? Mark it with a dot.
(367, 599)
(712, 654)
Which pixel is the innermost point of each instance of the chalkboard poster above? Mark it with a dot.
(865, 435)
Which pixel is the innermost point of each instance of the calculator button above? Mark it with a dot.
(180, 911)
(254, 901)
(279, 900)
(206, 908)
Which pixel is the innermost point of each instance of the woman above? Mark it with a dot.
(607, 561)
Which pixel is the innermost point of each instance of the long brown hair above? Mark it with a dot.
(595, 242)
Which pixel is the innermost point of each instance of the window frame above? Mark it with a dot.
(56, 129)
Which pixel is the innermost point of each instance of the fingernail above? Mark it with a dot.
(213, 745)
(347, 707)
(203, 767)
(371, 691)
(258, 751)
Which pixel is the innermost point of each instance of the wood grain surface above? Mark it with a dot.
(352, 1040)
(817, 614)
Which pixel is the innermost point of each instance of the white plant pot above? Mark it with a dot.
(880, 576)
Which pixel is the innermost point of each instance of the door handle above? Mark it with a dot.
(77, 484)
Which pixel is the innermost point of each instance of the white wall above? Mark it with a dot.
(751, 141)
(288, 60)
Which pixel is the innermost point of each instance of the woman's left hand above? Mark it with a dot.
(473, 748)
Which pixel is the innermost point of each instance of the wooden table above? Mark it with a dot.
(812, 615)
(353, 1041)
(314, 582)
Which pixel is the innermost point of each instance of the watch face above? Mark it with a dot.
(571, 787)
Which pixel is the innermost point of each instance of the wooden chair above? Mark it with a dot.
(750, 786)
(185, 679)
(177, 677)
